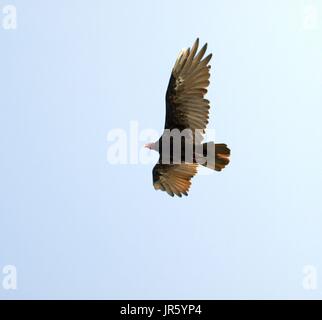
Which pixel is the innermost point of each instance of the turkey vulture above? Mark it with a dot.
(187, 113)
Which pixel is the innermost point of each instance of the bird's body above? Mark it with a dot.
(180, 146)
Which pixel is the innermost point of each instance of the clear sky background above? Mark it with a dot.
(76, 226)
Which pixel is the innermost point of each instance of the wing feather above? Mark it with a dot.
(185, 103)
(175, 179)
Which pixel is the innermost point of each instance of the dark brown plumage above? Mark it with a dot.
(186, 108)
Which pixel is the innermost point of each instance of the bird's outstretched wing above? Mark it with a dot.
(186, 107)
(174, 178)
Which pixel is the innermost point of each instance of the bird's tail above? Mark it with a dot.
(215, 156)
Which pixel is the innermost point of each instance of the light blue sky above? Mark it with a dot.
(76, 226)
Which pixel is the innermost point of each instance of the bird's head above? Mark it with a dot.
(151, 146)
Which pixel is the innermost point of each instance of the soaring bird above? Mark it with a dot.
(187, 112)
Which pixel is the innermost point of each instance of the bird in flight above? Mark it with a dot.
(187, 112)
